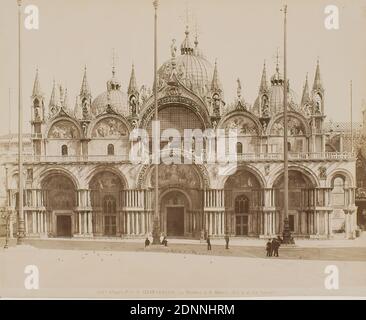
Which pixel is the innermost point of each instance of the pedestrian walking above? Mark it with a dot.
(147, 242)
(269, 248)
(208, 243)
(227, 239)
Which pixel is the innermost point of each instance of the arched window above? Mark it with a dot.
(239, 148)
(64, 150)
(109, 205)
(288, 146)
(110, 149)
(241, 205)
(338, 196)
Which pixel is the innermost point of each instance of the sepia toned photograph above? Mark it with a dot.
(175, 149)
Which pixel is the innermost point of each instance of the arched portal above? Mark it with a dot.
(106, 200)
(241, 215)
(180, 199)
(301, 203)
(175, 210)
(243, 203)
(60, 202)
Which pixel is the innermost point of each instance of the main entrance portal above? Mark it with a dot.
(175, 221)
(64, 226)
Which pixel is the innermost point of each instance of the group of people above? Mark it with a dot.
(163, 241)
(208, 241)
(272, 246)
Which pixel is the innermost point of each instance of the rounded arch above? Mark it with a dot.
(300, 121)
(178, 117)
(342, 173)
(232, 170)
(145, 174)
(109, 126)
(60, 191)
(101, 169)
(63, 128)
(179, 190)
(55, 171)
(164, 101)
(229, 120)
(302, 169)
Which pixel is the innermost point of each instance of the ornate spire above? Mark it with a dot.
(186, 47)
(53, 99)
(36, 86)
(61, 95)
(238, 90)
(317, 86)
(66, 100)
(113, 84)
(264, 85)
(216, 84)
(85, 89)
(305, 93)
(132, 87)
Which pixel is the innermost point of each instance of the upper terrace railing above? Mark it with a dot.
(245, 157)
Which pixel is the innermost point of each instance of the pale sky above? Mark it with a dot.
(240, 34)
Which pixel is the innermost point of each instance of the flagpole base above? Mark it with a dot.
(156, 232)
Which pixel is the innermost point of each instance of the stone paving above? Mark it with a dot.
(111, 273)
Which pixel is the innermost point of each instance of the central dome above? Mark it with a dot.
(113, 97)
(192, 68)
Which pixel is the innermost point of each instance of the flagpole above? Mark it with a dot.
(156, 227)
(351, 107)
(21, 235)
(286, 227)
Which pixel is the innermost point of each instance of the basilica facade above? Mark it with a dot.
(80, 181)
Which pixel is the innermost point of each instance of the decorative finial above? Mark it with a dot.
(277, 60)
(114, 58)
(173, 48)
(196, 34)
(238, 91)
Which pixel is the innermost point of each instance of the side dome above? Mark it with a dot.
(192, 68)
(270, 100)
(113, 97)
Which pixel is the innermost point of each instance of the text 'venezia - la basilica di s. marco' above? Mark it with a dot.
(80, 182)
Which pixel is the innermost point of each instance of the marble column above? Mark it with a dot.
(90, 222)
(85, 223)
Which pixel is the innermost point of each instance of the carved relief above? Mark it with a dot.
(109, 128)
(63, 130)
(105, 181)
(294, 127)
(267, 169)
(242, 179)
(176, 175)
(323, 173)
(244, 125)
